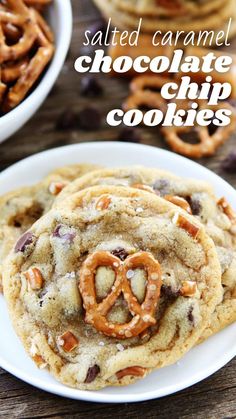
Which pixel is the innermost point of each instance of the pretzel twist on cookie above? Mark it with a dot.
(96, 313)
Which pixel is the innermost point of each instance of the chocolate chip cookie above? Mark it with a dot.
(19, 209)
(200, 200)
(113, 284)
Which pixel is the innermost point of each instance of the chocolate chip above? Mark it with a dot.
(67, 120)
(92, 374)
(130, 135)
(89, 119)
(120, 252)
(56, 232)
(24, 241)
(195, 205)
(190, 315)
(212, 128)
(229, 163)
(169, 292)
(162, 186)
(69, 237)
(90, 86)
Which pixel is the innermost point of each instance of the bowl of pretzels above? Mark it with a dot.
(35, 37)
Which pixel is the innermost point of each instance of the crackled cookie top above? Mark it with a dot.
(19, 209)
(197, 198)
(117, 282)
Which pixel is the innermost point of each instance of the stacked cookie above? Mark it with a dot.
(128, 270)
(170, 15)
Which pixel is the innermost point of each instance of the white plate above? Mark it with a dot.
(200, 362)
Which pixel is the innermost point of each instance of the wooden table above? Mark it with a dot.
(212, 398)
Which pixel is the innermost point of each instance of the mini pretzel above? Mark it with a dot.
(144, 98)
(208, 144)
(23, 34)
(96, 313)
(152, 82)
(17, 15)
(36, 65)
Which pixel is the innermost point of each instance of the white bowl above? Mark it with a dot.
(60, 18)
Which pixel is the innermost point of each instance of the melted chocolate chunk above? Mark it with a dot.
(195, 205)
(69, 237)
(24, 241)
(90, 86)
(169, 292)
(120, 252)
(90, 119)
(162, 186)
(229, 163)
(92, 374)
(190, 315)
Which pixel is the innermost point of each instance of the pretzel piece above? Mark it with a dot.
(18, 15)
(36, 65)
(208, 144)
(153, 82)
(11, 71)
(96, 313)
(227, 209)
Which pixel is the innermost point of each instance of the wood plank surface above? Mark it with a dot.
(210, 399)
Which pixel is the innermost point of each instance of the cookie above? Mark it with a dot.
(171, 8)
(216, 20)
(19, 209)
(116, 283)
(204, 206)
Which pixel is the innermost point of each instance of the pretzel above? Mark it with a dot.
(11, 71)
(144, 98)
(208, 143)
(18, 15)
(3, 87)
(227, 209)
(12, 32)
(153, 82)
(26, 48)
(179, 202)
(96, 313)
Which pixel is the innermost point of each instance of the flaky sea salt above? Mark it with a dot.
(129, 274)
(70, 275)
(120, 347)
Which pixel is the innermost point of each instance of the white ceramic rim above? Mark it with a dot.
(97, 148)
